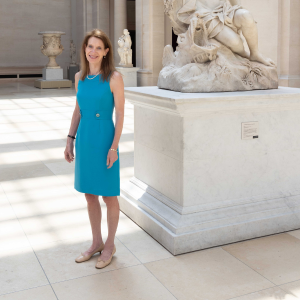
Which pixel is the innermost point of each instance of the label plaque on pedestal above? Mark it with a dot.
(249, 130)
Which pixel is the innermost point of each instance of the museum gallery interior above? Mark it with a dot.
(216, 103)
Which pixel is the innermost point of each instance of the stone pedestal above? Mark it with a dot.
(53, 74)
(52, 79)
(212, 169)
(52, 84)
(130, 76)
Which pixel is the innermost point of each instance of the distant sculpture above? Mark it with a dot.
(211, 55)
(73, 53)
(52, 47)
(124, 49)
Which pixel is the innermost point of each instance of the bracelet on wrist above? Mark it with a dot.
(113, 149)
(71, 136)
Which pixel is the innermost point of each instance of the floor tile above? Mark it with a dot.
(39, 196)
(16, 158)
(26, 170)
(58, 259)
(36, 126)
(67, 180)
(126, 160)
(140, 243)
(20, 270)
(295, 233)
(21, 157)
(39, 293)
(268, 294)
(126, 174)
(8, 148)
(207, 275)
(292, 287)
(61, 167)
(46, 145)
(12, 235)
(7, 138)
(276, 257)
(16, 119)
(134, 283)
(126, 147)
(6, 211)
(69, 224)
(57, 226)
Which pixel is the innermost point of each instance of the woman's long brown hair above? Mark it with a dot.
(107, 64)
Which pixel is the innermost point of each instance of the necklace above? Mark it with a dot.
(87, 76)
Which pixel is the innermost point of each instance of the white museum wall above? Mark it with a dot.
(20, 22)
(290, 43)
(150, 40)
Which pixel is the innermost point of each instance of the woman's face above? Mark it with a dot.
(95, 51)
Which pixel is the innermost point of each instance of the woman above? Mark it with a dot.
(99, 89)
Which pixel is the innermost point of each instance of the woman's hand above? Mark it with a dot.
(112, 156)
(69, 154)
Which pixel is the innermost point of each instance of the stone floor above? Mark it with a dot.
(44, 225)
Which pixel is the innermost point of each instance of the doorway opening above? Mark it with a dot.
(131, 27)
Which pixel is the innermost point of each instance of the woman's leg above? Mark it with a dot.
(94, 210)
(113, 212)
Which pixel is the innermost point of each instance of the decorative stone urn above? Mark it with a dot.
(52, 47)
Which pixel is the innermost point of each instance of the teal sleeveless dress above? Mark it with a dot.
(94, 138)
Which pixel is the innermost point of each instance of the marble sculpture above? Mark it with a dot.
(217, 49)
(124, 50)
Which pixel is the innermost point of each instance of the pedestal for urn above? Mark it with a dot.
(129, 76)
(52, 73)
(214, 168)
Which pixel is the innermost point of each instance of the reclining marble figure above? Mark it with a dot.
(217, 49)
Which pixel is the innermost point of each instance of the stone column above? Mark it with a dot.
(290, 44)
(89, 15)
(278, 27)
(150, 40)
(80, 26)
(120, 23)
(101, 15)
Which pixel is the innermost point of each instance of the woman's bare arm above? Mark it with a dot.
(76, 114)
(69, 155)
(117, 88)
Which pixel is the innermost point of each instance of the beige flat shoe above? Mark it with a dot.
(82, 258)
(101, 263)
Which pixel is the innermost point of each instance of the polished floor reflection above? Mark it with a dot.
(44, 225)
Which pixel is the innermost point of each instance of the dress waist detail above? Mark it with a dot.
(96, 114)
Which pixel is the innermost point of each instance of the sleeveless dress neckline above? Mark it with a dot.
(93, 75)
